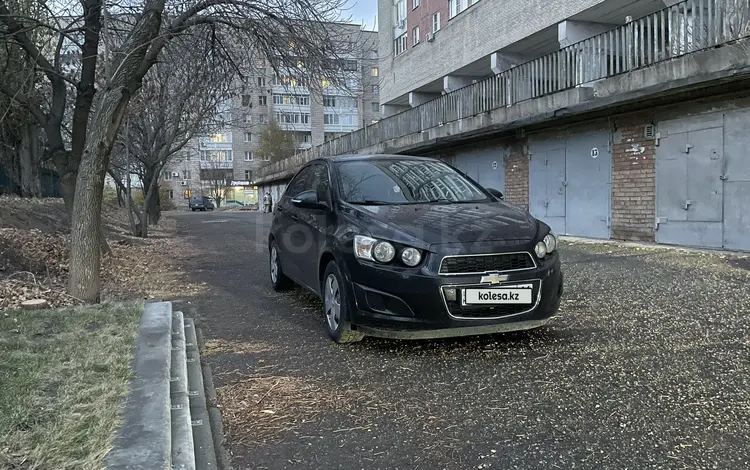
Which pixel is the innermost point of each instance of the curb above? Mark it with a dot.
(144, 440)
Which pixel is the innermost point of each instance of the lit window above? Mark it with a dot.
(374, 72)
(324, 83)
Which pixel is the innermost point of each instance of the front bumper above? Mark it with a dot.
(397, 303)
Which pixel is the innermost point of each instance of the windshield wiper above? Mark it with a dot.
(441, 199)
(371, 202)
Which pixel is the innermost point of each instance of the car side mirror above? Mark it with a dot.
(498, 194)
(309, 200)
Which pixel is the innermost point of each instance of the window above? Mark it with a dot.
(374, 72)
(246, 100)
(263, 118)
(400, 44)
(371, 55)
(248, 137)
(218, 138)
(400, 11)
(330, 119)
(248, 119)
(415, 36)
(375, 107)
(171, 194)
(414, 4)
(302, 100)
(216, 156)
(324, 83)
(329, 101)
(299, 183)
(266, 158)
(293, 118)
(436, 22)
(415, 182)
(186, 174)
(248, 156)
(261, 81)
(249, 175)
(168, 176)
(375, 89)
(262, 100)
(307, 138)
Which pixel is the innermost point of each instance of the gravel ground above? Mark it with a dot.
(647, 366)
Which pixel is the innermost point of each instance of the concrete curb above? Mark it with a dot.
(144, 439)
(205, 455)
(183, 450)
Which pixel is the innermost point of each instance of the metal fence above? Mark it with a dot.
(683, 28)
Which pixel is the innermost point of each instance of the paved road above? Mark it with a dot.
(646, 367)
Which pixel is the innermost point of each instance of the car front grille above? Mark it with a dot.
(475, 264)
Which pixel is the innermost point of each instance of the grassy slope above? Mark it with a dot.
(64, 377)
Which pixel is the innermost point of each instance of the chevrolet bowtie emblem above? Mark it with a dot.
(494, 278)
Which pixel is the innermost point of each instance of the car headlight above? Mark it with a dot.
(551, 241)
(383, 252)
(411, 256)
(540, 249)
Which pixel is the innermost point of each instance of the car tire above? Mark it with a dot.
(279, 281)
(336, 307)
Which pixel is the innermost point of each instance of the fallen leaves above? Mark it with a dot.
(34, 261)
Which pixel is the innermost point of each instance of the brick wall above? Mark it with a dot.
(517, 178)
(633, 181)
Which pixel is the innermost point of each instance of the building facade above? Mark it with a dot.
(432, 47)
(311, 114)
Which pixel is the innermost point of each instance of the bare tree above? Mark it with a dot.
(276, 143)
(178, 101)
(296, 37)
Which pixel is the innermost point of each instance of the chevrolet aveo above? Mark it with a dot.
(409, 247)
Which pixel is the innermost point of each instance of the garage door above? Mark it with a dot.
(703, 181)
(484, 166)
(570, 182)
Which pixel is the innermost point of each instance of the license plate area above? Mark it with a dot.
(515, 294)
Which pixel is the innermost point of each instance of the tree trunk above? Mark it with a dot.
(29, 162)
(151, 198)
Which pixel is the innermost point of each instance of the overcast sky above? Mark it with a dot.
(362, 11)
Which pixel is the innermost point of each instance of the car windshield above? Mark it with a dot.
(392, 181)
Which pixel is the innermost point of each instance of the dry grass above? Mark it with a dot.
(262, 408)
(64, 376)
(219, 346)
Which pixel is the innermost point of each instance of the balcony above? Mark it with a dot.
(619, 60)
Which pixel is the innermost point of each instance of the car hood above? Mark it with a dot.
(424, 225)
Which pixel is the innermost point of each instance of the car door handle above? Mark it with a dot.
(294, 217)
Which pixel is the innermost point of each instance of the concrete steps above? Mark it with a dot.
(166, 425)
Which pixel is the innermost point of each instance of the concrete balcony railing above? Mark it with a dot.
(683, 28)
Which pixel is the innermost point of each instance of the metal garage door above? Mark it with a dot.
(484, 166)
(588, 175)
(547, 183)
(569, 183)
(490, 168)
(703, 182)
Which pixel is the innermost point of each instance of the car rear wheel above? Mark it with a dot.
(278, 280)
(336, 307)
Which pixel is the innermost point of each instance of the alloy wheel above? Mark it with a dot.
(274, 264)
(333, 302)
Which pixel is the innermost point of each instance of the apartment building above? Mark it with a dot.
(432, 47)
(312, 114)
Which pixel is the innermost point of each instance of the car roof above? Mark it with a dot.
(372, 157)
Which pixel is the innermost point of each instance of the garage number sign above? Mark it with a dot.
(594, 152)
(494, 165)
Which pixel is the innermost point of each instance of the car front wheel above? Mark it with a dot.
(278, 280)
(336, 307)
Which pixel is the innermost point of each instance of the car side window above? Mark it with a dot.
(300, 183)
(321, 183)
